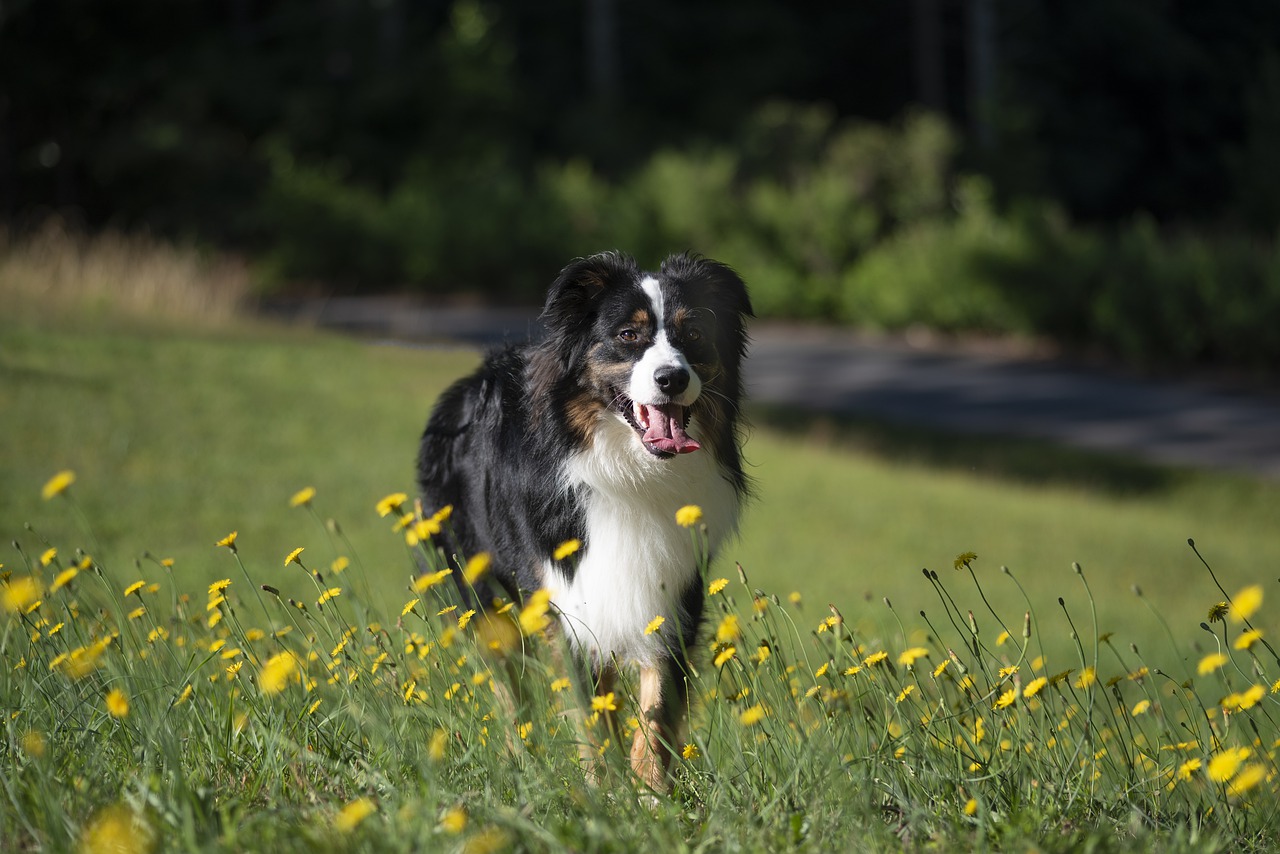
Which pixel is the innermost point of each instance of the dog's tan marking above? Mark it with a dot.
(651, 745)
(641, 318)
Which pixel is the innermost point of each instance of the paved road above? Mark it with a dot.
(1191, 423)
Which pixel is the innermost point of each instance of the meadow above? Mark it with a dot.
(928, 641)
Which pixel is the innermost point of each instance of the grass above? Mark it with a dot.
(368, 724)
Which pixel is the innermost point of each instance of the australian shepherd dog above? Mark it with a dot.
(625, 412)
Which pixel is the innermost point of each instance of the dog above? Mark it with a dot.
(626, 411)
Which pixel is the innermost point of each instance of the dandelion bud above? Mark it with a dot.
(956, 661)
(742, 573)
(271, 590)
(1191, 542)
(973, 623)
(1026, 625)
(1205, 626)
(835, 612)
(1075, 567)
(318, 576)
(1133, 647)
(1004, 569)
(925, 571)
(1137, 591)
(887, 602)
(332, 525)
(1061, 603)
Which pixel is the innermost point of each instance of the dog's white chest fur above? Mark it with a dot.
(637, 560)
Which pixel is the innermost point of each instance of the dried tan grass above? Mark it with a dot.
(57, 270)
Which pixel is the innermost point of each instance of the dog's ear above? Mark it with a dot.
(717, 287)
(574, 295)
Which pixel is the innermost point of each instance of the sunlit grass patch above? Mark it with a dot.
(281, 702)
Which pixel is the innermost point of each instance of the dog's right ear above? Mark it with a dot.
(573, 297)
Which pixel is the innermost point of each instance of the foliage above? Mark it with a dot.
(278, 705)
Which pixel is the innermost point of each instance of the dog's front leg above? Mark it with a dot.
(651, 745)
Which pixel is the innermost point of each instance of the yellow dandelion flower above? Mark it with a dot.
(1141, 707)
(134, 588)
(1223, 766)
(391, 503)
(277, 672)
(137, 613)
(118, 829)
(794, 597)
(1245, 603)
(1034, 686)
(1186, 769)
(20, 593)
(561, 684)
(117, 703)
(752, 716)
(654, 624)
(1007, 699)
(1247, 639)
(425, 582)
(465, 617)
(874, 658)
(331, 593)
(63, 579)
(1087, 678)
(937, 671)
(187, 691)
(964, 559)
(763, 651)
(568, 547)
(1007, 671)
(905, 692)
(728, 629)
(822, 671)
(533, 616)
(293, 557)
(454, 820)
(1211, 662)
(48, 557)
(1002, 638)
(909, 657)
(971, 807)
(228, 542)
(352, 814)
(604, 703)
(1242, 700)
(725, 655)
(1218, 612)
(58, 484)
(33, 744)
(340, 563)
(476, 567)
(690, 751)
(716, 586)
(303, 497)
(1251, 776)
(688, 515)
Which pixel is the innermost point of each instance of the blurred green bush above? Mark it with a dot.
(864, 224)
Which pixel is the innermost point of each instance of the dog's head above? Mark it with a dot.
(655, 350)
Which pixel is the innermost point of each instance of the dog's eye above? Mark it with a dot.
(628, 336)
(693, 334)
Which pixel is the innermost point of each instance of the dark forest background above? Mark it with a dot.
(1100, 173)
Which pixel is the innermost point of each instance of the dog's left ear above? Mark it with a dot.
(718, 287)
(574, 295)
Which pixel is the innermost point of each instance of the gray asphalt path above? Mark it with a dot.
(1189, 423)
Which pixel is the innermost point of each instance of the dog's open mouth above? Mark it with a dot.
(661, 426)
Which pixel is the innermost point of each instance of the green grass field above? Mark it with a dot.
(179, 434)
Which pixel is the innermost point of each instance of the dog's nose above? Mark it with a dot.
(671, 379)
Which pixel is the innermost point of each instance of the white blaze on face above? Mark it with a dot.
(661, 354)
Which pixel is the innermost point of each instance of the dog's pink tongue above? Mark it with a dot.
(666, 430)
